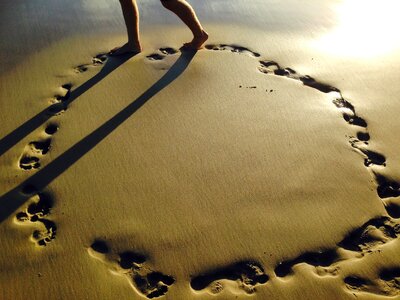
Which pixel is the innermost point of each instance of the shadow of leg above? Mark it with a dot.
(13, 199)
(22, 131)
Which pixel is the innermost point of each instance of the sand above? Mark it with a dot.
(262, 166)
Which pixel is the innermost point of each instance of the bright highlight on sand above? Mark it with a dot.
(365, 29)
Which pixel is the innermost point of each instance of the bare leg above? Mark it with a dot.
(131, 17)
(186, 13)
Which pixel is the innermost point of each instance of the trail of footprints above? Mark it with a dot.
(360, 242)
(247, 274)
(371, 235)
(135, 268)
(30, 158)
(386, 187)
(154, 284)
(35, 150)
(37, 212)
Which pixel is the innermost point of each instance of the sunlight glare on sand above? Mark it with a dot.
(366, 28)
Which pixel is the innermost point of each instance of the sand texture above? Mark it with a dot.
(263, 166)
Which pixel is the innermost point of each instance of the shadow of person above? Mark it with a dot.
(22, 131)
(10, 201)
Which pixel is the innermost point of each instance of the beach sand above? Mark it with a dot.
(265, 165)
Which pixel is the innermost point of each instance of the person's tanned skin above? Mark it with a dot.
(180, 7)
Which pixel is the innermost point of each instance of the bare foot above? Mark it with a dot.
(197, 41)
(127, 48)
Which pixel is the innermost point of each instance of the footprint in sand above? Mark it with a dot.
(134, 267)
(168, 51)
(157, 59)
(30, 158)
(387, 188)
(51, 129)
(60, 101)
(36, 215)
(155, 56)
(232, 48)
(81, 68)
(162, 53)
(247, 274)
(98, 60)
(41, 147)
(386, 284)
(363, 240)
(27, 162)
(370, 235)
(317, 259)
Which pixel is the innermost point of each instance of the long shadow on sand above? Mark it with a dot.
(22, 131)
(13, 199)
